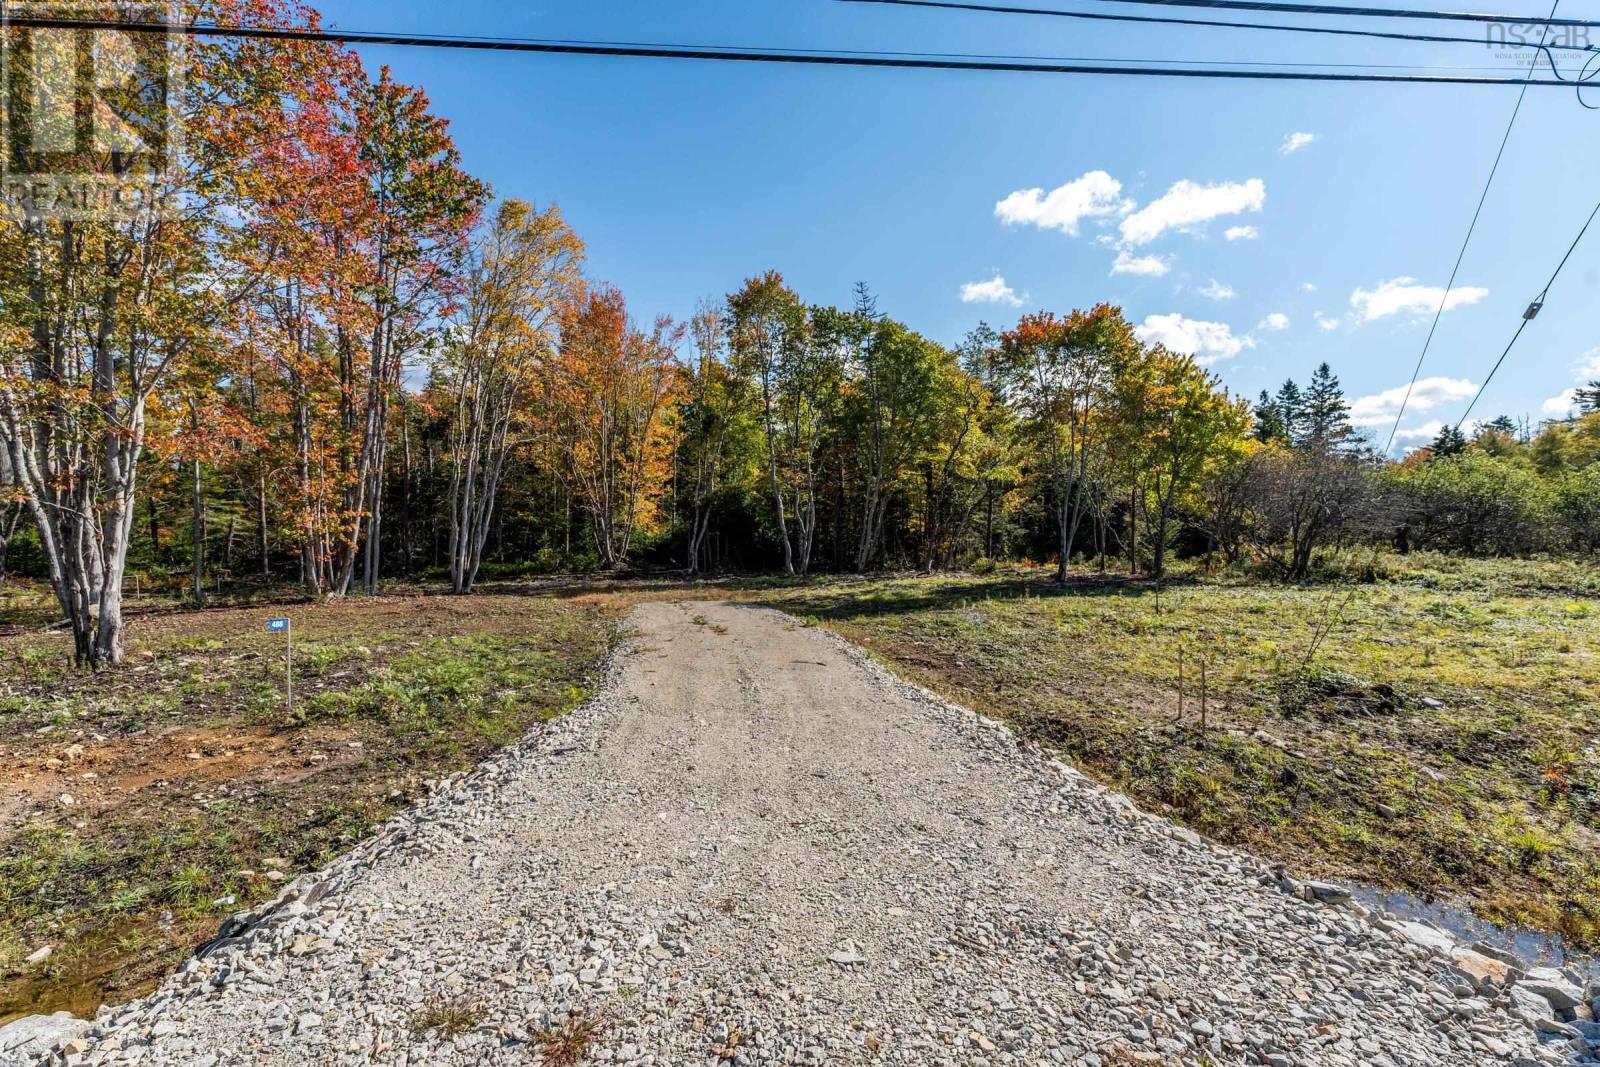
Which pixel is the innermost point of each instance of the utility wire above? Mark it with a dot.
(1362, 12)
(1171, 20)
(1529, 315)
(1444, 300)
(724, 54)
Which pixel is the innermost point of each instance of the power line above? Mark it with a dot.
(1362, 12)
(1170, 20)
(1529, 315)
(1444, 299)
(725, 54)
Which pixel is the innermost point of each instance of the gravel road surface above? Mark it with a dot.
(756, 847)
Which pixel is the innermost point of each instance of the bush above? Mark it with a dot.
(1473, 502)
(1577, 504)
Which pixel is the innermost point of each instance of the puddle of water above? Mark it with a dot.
(1539, 949)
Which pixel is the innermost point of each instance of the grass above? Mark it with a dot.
(447, 1016)
(1444, 739)
(569, 1044)
(196, 792)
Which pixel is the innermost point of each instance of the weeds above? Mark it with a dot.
(128, 880)
(448, 1016)
(568, 1045)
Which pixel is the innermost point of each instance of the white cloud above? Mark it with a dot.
(1307, 287)
(1094, 195)
(1208, 342)
(1404, 296)
(1144, 266)
(1429, 393)
(1218, 291)
(1324, 323)
(1188, 204)
(1560, 405)
(1585, 369)
(1241, 233)
(993, 291)
(1296, 141)
(1425, 432)
(1276, 322)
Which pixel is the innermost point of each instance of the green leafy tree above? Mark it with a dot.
(796, 384)
(1060, 373)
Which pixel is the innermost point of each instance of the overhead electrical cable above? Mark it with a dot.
(1444, 299)
(1529, 315)
(1546, 52)
(735, 55)
(1171, 20)
(1280, 7)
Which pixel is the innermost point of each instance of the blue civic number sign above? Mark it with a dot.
(277, 625)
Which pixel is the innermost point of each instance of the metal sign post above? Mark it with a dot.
(286, 628)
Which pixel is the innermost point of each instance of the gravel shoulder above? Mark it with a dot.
(755, 846)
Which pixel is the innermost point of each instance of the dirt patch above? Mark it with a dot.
(99, 778)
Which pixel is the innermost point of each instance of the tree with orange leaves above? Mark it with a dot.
(1059, 372)
(606, 405)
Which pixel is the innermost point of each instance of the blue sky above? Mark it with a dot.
(684, 178)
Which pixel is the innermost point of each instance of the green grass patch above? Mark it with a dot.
(1437, 730)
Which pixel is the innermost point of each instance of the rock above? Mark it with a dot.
(1510, 959)
(848, 956)
(38, 1035)
(1528, 1006)
(1481, 970)
(1425, 936)
(1553, 986)
(1326, 892)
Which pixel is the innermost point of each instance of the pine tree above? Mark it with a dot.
(1450, 442)
(1291, 405)
(1269, 420)
(1587, 398)
(1327, 415)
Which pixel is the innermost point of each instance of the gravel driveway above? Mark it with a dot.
(754, 846)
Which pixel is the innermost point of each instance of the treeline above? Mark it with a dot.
(335, 358)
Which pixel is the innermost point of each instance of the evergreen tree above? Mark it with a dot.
(1269, 420)
(1587, 398)
(1291, 405)
(1450, 442)
(1327, 415)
